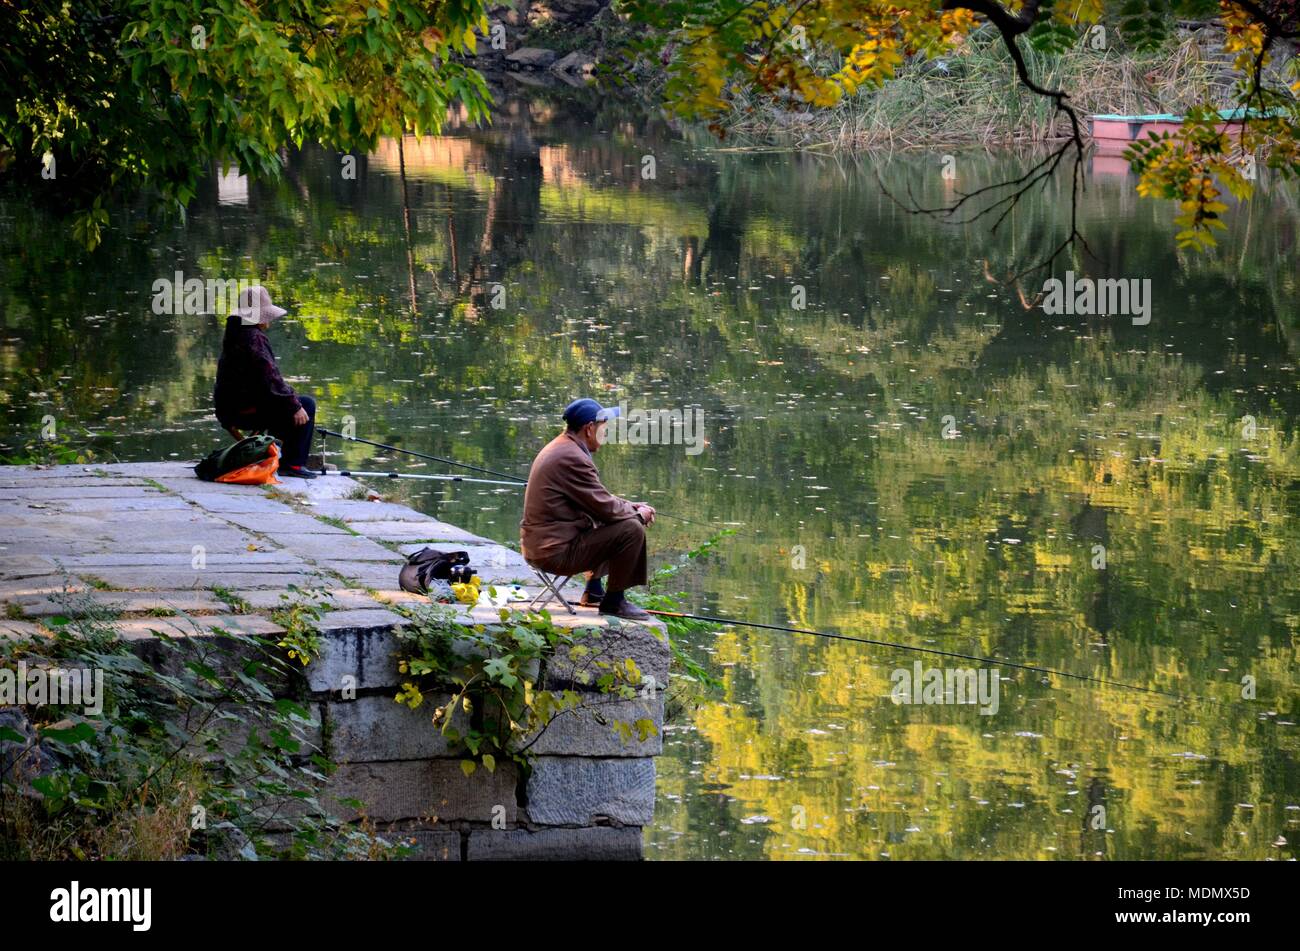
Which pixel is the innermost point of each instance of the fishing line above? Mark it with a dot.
(464, 465)
(934, 650)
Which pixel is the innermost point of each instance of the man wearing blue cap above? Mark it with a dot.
(573, 524)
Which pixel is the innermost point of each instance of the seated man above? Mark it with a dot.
(251, 394)
(571, 521)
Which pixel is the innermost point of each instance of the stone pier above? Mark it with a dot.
(165, 552)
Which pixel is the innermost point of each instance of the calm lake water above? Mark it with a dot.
(1074, 438)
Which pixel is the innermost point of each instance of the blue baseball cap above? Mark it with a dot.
(581, 412)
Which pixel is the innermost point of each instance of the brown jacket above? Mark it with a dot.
(565, 498)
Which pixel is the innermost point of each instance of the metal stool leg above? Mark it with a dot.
(550, 591)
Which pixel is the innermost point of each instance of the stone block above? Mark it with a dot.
(598, 844)
(378, 728)
(423, 789)
(647, 647)
(577, 791)
(591, 729)
(428, 845)
(357, 644)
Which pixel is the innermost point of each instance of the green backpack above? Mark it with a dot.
(243, 453)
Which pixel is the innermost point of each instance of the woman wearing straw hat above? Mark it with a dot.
(251, 394)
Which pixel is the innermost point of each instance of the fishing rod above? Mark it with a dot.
(932, 650)
(514, 479)
(423, 455)
(414, 475)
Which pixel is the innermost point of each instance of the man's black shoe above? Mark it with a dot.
(297, 472)
(623, 608)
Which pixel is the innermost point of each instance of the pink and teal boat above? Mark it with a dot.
(1113, 133)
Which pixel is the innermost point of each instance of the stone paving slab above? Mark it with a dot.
(61, 483)
(366, 574)
(249, 501)
(360, 511)
(582, 617)
(140, 628)
(41, 584)
(128, 602)
(133, 520)
(288, 523)
(10, 563)
(92, 489)
(343, 599)
(21, 630)
(27, 475)
(146, 579)
(180, 559)
(394, 595)
(336, 621)
(141, 470)
(417, 531)
(518, 575)
(41, 566)
(117, 504)
(341, 547)
(213, 540)
(192, 483)
(325, 487)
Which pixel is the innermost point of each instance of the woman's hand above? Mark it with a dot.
(300, 418)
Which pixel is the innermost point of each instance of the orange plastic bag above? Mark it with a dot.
(259, 473)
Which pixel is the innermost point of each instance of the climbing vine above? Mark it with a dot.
(486, 677)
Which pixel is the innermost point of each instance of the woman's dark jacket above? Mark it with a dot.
(248, 378)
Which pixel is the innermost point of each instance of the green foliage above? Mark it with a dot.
(495, 710)
(233, 601)
(191, 745)
(58, 450)
(302, 608)
(102, 97)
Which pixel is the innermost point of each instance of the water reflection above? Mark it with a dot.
(825, 430)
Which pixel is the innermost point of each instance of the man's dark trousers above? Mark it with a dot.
(616, 549)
